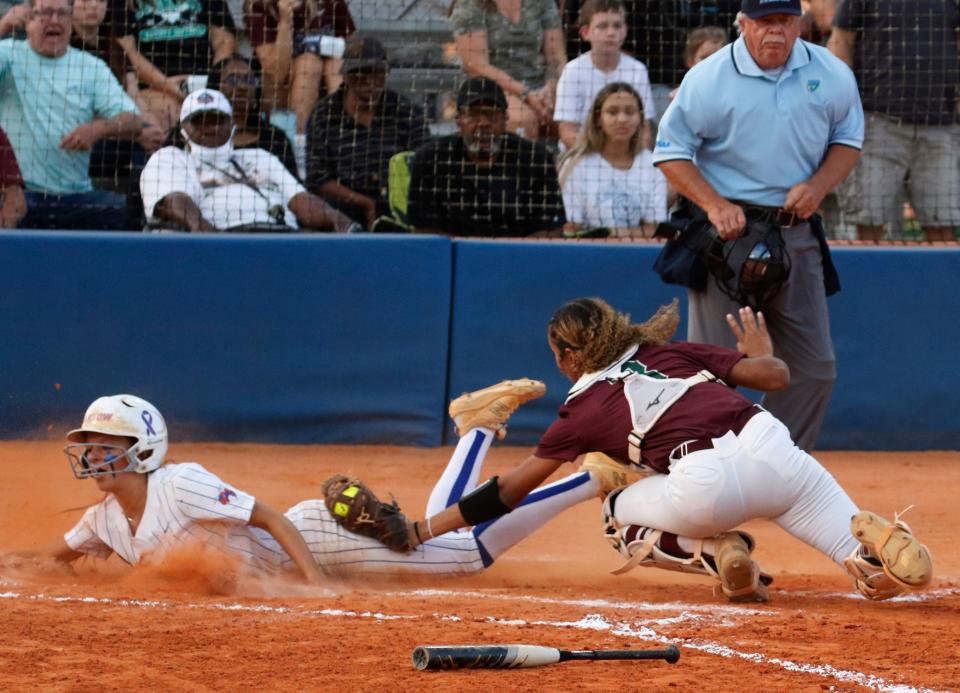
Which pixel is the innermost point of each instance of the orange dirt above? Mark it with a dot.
(185, 627)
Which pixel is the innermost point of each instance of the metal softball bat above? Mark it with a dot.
(433, 657)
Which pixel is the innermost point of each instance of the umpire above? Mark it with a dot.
(761, 131)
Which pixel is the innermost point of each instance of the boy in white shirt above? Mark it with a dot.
(603, 25)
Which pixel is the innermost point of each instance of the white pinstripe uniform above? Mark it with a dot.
(186, 502)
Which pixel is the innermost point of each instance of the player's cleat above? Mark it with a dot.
(609, 473)
(889, 547)
(740, 577)
(492, 406)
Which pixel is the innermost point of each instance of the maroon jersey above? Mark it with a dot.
(598, 418)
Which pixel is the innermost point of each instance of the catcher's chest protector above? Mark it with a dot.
(649, 397)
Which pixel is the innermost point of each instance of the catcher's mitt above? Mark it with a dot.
(355, 507)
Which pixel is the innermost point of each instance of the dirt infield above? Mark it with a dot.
(177, 627)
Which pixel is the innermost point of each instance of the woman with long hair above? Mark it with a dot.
(716, 459)
(608, 178)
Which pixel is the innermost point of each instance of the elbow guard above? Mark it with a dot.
(483, 503)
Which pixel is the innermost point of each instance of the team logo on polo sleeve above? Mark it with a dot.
(224, 496)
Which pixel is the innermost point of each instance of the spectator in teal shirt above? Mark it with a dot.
(55, 103)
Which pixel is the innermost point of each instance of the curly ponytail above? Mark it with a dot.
(601, 334)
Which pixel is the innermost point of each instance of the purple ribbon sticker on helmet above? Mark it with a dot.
(148, 420)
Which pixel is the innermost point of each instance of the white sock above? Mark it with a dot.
(463, 470)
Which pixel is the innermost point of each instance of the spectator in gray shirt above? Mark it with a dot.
(905, 57)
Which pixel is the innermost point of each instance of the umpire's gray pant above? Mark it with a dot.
(799, 326)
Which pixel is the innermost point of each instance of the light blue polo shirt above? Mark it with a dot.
(42, 99)
(753, 136)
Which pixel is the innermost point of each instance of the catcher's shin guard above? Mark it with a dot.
(492, 406)
(609, 474)
(740, 578)
(890, 560)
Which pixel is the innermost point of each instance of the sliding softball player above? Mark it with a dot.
(152, 505)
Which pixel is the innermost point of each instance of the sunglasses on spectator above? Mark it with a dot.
(50, 13)
(235, 79)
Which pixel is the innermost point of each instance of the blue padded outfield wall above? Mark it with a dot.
(293, 339)
(363, 339)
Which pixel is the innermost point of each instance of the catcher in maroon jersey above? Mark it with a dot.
(719, 459)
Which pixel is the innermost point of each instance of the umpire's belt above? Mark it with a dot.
(689, 446)
(770, 215)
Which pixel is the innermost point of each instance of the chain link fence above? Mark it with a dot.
(348, 115)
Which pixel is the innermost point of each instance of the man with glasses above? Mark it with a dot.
(484, 181)
(353, 133)
(56, 102)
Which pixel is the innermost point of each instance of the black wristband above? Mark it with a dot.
(416, 530)
(483, 503)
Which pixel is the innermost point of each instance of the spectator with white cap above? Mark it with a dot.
(214, 187)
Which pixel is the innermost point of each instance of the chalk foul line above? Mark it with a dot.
(594, 622)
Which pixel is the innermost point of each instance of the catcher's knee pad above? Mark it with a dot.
(740, 578)
(890, 560)
(633, 542)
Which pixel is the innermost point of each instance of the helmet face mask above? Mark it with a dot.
(126, 416)
(85, 468)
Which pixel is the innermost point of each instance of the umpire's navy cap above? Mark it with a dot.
(481, 89)
(761, 8)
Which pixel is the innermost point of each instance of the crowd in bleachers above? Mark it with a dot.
(278, 115)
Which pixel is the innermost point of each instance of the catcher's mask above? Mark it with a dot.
(764, 269)
(124, 416)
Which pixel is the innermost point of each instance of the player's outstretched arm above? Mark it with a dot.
(56, 553)
(289, 538)
(495, 497)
